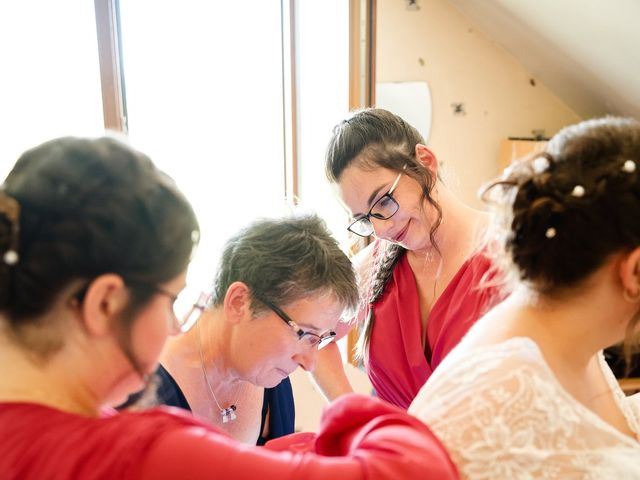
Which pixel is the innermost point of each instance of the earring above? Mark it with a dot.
(631, 298)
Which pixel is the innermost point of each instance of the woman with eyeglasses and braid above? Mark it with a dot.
(424, 278)
(94, 247)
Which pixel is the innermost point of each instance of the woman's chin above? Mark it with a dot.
(128, 387)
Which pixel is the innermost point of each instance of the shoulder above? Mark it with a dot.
(168, 391)
(163, 417)
(490, 402)
(633, 402)
(79, 447)
(481, 378)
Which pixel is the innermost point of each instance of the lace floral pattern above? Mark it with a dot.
(503, 415)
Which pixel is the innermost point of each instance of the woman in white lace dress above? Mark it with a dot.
(527, 393)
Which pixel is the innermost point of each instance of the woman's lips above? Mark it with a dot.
(400, 236)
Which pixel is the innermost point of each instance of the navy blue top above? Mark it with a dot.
(278, 402)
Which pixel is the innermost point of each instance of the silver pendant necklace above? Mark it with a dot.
(228, 414)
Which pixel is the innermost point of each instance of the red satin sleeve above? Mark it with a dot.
(360, 438)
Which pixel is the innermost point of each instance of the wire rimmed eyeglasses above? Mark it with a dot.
(310, 339)
(79, 296)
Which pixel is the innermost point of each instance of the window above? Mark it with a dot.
(207, 94)
(50, 84)
(204, 99)
(205, 88)
(322, 60)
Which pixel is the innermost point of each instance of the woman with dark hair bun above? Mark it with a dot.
(527, 393)
(94, 247)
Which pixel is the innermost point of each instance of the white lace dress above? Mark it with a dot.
(502, 414)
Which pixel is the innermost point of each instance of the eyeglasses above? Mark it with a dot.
(310, 339)
(194, 312)
(384, 208)
(173, 298)
(179, 319)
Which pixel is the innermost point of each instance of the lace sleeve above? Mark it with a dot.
(502, 415)
(634, 405)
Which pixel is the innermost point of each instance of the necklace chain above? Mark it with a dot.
(228, 414)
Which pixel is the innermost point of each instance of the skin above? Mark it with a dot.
(245, 353)
(360, 188)
(457, 238)
(89, 371)
(570, 347)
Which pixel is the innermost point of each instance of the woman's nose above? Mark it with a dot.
(381, 227)
(307, 359)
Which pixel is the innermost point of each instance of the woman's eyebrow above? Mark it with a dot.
(370, 200)
(374, 194)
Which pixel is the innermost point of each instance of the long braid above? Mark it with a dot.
(386, 255)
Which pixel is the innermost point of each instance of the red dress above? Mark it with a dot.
(397, 364)
(360, 438)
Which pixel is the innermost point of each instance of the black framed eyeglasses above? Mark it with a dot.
(383, 209)
(310, 339)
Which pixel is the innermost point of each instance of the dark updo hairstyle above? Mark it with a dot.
(376, 138)
(86, 208)
(566, 210)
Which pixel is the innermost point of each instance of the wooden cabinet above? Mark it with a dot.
(512, 149)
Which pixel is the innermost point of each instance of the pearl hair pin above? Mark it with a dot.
(578, 191)
(550, 233)
(540, 164)
(629, 166)
(10, 257)
(10, 209)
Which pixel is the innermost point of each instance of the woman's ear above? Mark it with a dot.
(630, 275)
(237, 302)
(106, 298)
(427, 158)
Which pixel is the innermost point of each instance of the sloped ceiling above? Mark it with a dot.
(586, 51)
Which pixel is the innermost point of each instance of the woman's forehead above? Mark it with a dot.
(358, 185)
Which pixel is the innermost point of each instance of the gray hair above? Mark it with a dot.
(285, 260)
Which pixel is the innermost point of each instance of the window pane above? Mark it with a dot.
(204, 99)
(50, 83)
(323, 88)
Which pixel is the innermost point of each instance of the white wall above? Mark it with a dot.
(439, 45)
(310, 402)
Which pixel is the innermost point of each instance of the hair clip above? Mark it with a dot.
(10, 208)
(550, 233)
(578, 191)
(629, 166)
(506, 173)
(540, 164)
(10, 257)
